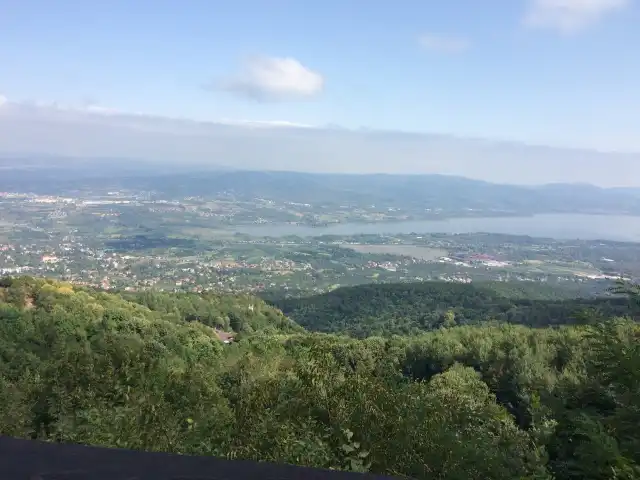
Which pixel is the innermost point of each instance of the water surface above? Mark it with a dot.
(561, 226)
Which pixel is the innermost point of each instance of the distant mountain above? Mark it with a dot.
(404, 191)
(44, 166)
(417, 193)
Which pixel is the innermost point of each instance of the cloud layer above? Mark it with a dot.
(272, 78)
(79, 132)
(443, 44)
(570, 16)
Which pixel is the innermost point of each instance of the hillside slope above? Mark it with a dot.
(240, 314)
(409, 308)
(487, 402)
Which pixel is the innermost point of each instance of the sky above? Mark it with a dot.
(505, 90)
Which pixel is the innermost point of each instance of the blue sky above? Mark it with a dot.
(549, 72)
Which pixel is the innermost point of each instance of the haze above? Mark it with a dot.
(72, 132)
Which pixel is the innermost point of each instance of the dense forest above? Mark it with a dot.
(148, 371)
(413, 308)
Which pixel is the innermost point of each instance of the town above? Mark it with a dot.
(135, 240)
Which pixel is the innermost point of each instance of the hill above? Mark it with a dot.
(410, 308)
(235, 314)
(413, 193)
(241, 314)
(144, 372)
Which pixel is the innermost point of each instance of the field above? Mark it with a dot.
(557, 268)
(415, 251)
(208, 233)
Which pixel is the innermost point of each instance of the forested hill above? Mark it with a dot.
(242, 314)
(234, 314)
(410, 308)
(492, 402)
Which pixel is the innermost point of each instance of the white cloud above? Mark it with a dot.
(272, 78)
(265, 123)
(570, 16)
(100, 109)
(3, 100)
(443, 44)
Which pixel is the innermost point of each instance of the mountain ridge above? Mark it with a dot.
(417, 194)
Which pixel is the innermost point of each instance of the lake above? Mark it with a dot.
(561, 226)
